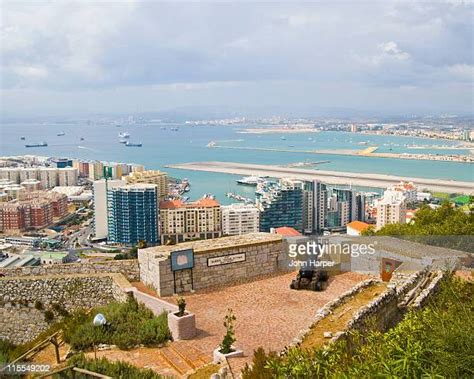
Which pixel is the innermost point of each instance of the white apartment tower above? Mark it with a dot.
(391, 209)
(100, 188)
(240, 219)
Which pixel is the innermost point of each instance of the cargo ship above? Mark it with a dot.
(131, 144)
(40, 144)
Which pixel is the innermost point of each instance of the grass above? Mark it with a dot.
(205, 372)
(338, 319)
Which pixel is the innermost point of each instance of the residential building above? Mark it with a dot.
(320, 198)
(48, 177)
(157, 177)
(67, 176)
(280, 204)
(34, 210)
(61, 162)
(100, 188)
(391, 208)
(133, 214)
(240, 219)
(31, 185)
(408, 190)
(10, 173)
(308, 209)
(356, 228)
(181, 221)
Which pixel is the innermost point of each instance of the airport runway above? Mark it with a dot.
(330, 177)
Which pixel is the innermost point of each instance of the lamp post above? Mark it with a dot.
(99, 320)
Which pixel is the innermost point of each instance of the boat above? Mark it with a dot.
(283, 138)
(124, 135)
(60, 134)
(22, 138)
(82, 138)
(40, 144)
(174, 129)
(249, 180)
(123, 141)
(131, 144)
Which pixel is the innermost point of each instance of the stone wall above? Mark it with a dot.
(128, 268)
(260, 250)
(70, 291)
(382, 312)
(21, 322)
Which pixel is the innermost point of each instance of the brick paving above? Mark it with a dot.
(269, 313)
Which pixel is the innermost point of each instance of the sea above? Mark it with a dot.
(164, 144)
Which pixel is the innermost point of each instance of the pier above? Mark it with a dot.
(330, 177)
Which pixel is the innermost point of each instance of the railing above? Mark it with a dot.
(53, 338)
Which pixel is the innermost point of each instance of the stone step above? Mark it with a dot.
(175, 360)
(193, 356)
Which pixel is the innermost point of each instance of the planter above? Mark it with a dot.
(221, 357)
(182, 328)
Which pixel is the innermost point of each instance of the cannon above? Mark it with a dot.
(309, 279)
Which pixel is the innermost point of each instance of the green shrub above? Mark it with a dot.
(229, 338)
(6, 350)
(48, 316)
(128, 324)
(39, 305)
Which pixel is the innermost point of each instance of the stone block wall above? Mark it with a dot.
(261, 258)
(21, 322)
(70, 291)
(128, 268)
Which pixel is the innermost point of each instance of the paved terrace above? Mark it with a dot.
(269, 313)
(331, 177)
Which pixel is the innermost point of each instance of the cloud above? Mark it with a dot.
(87, 46)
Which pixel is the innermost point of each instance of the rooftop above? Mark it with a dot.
(216, 243)
(287, 231)
(358, 225)
(174, 204)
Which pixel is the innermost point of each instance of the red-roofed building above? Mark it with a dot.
(356, 228)
(287, 231)
(180, 221)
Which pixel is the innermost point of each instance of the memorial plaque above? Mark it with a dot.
(226, 259)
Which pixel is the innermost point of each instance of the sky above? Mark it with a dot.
(73, 58)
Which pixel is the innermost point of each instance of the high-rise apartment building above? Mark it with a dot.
(157, 177)
(181, 221)
(391, 208)
(100, 188)
(48, 177)
(240, 219)
(133, 214)
(67, 176)
(280, 205)
(320, 202)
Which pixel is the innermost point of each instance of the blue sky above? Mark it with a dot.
(381, 56)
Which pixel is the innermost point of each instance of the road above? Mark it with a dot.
(330, 177)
